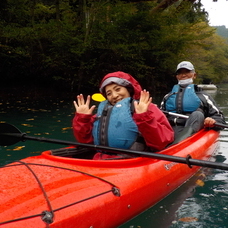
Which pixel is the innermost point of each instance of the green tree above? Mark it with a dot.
(73, 43)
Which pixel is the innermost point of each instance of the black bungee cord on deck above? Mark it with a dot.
(48, 216)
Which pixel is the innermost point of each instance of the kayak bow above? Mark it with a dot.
(66, 188)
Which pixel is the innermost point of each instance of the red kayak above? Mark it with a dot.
(65, 188)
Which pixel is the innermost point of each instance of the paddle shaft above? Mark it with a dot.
(188, 160)
(186, 117)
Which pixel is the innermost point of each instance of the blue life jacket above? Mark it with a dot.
(183, 99)
(115, 126)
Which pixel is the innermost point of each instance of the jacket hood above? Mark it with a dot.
(122, 79)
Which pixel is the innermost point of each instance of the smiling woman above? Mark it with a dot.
(126, 120)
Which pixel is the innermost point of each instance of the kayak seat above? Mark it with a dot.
(74, 152)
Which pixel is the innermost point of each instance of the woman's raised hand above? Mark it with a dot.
(143, 103)
(82, 106)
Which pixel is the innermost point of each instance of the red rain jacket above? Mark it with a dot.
(152, 124)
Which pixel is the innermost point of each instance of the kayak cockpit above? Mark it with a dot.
(88, 153)
(74, 152)
(203, 140)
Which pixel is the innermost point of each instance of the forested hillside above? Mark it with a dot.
(69, 45)
(222, 31)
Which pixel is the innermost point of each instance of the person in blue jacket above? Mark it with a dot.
(189, 99)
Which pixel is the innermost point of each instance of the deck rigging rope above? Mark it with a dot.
(47, 219)
(47, 216)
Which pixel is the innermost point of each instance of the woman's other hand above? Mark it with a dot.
(143, 103)
(82, 106)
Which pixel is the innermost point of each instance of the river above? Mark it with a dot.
(201, 202)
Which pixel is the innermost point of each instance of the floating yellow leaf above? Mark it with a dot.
(33, 110)
(2, 121)
(44, 110)
(46, 133)
(29, 119)
(66, 128)
(18, 147)
(188, 219)
(38, 134)
(200, 179)
(200, 182)
(58, 120)
(27, 125)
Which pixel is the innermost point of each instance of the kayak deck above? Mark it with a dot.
(73, 192)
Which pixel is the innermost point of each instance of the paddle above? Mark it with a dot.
(99, 97)
(186, 117)
(9, 135)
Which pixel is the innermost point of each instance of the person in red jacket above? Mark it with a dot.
(127, 119)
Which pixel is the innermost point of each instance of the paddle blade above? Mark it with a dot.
(9, 134)
(98, 97)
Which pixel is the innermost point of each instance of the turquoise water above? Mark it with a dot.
(200, 202)
(44, 118)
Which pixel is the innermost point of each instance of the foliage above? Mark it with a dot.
(222, 31)
(72, 44)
